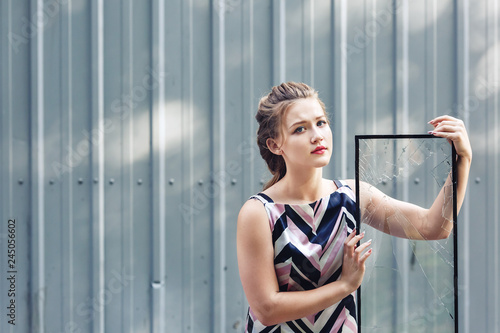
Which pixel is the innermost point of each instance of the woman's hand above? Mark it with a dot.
(353, 265)
(454, 130)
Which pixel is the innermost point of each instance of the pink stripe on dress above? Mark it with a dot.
(304, 215)
(275, 212)
(337, 247)
(340, 320)
(350, 324)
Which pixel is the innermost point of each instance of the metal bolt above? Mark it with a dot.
(261, 182)
(157, 284)
(200, 182)
(111, 181)
(417, 180)
(478, 180)
(20, 181)
(51, 181)
(80, 181)
(96, 180)
(233, 181)
(139, 181)
(171, 181)
(384, 182)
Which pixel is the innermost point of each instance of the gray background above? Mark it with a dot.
(127, 142)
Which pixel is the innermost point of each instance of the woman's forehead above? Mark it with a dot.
(304, 109)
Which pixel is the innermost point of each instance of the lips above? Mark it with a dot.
(319, 150)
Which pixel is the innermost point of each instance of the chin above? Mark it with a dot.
(321, 164)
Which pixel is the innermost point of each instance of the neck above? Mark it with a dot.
(303, 185)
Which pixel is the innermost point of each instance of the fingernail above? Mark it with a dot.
(431, 132)
(369, 241)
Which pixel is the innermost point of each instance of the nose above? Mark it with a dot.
(316, 135)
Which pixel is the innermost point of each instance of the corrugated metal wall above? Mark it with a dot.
(127, 142)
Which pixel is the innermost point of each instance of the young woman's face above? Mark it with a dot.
(307, 137)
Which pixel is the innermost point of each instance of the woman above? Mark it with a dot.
(297, 254)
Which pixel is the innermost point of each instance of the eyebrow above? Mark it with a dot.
(305, 121)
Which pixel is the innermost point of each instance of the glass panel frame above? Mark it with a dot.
(358, 139)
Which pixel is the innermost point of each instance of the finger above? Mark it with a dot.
(454, 136)
(450, 132)
(363, 246)
(365, 256)
(350, 236)
(441, 118)
(458, 123)
(447, 123)
(447, 129)
(356, 239)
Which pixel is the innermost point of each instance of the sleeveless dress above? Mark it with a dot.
(308, 242)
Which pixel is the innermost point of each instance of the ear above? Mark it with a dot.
(273, 146)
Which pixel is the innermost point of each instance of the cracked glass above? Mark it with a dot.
(410, 279)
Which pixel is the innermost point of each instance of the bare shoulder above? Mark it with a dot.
(252, 213)
(364, 188)
(254, 239)
(351, 183)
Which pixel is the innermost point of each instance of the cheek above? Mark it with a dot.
(328, 135)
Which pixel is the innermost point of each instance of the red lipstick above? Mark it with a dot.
(319, 150)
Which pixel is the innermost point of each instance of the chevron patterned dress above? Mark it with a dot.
(308, 250)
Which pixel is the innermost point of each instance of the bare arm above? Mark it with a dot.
(454, 130)
(256, 266)
(406, 220)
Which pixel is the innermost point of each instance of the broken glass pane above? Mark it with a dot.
(409, 279)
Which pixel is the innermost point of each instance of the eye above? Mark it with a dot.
(299, 129)
(322, 123)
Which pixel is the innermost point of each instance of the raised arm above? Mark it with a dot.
(454, 130)
(406, 220)
(258, 277)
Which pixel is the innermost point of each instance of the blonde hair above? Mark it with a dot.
(270, 114)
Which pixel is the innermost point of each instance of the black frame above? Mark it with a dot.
(454, 184)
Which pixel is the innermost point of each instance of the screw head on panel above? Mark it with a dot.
(20, 181)
(139, 181)
(96, 180)
(171, 181)
(477, 180)
(417, 181)
(157, 284)
(80, 181)
(111, 181)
